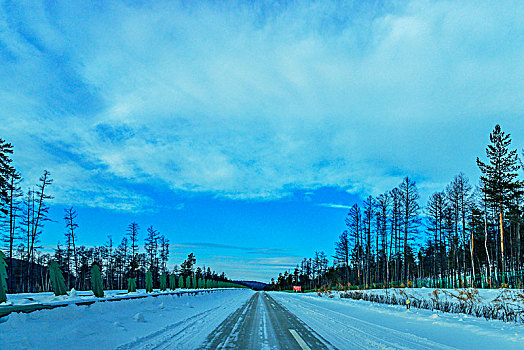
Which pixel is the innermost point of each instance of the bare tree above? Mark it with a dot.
(70, 235)
(410, 216)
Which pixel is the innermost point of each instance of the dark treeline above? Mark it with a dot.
(23, 215)
(465, 235)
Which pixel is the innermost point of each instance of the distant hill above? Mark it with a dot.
(253, 284)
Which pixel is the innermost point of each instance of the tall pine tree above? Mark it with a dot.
(499, 177)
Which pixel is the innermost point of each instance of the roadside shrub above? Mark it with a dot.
(508, 306)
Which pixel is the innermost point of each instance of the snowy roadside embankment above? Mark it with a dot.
(183, 319)
(74, 296)
(29, 302)
(358, 324)
(497, 304)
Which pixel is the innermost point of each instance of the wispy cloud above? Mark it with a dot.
(251, 250)
(255, 100)
(336, 206)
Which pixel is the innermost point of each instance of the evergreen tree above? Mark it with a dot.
(163, 281)
(172, 281)
(131, 285)
(499, 177)
(6, 150)
(57, 279)
(3, 278)
(96, 281)
(12, 205)
(181, 283)
(149, 282)
(187, 265)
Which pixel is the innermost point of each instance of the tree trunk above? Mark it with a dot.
(502, 245)
(486, 245)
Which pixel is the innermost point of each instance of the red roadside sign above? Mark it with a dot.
(297, 288)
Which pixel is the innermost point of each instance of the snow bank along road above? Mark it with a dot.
(243, 319)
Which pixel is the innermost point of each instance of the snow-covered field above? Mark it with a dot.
(182, 320)
(349, 324)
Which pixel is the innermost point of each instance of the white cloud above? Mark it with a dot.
(249, 103)
(335, 206)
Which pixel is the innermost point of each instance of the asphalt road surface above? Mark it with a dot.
(263, 323)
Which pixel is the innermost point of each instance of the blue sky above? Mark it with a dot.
(234, 127)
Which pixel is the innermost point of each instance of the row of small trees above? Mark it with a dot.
(22, 219)
(166, 281)
(465, 235)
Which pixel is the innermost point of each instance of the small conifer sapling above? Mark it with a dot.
(131, 285)
(149, 282)
(163, 282)
(172, 281)
(96, 281)
(57, 279)
(3, 278)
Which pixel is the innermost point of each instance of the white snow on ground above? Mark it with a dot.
(183, 321)
(348, 323)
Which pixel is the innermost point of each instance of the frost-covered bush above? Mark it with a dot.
(507, 306)
(3, 278)
(96, 281)
(149, 282)
(57, 279)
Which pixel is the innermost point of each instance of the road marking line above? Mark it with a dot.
(299, 340)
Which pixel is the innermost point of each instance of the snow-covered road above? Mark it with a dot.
(352, 324)
(262, 323)
(243, 319)
(176, 322)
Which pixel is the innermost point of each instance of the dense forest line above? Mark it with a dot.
(23, 215)
(465, 235)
